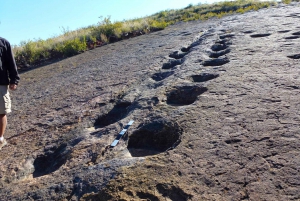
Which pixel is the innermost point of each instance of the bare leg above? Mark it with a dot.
(3, 122)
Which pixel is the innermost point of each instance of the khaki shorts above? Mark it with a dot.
(5, 103)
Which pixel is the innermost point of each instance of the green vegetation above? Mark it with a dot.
(289, 1)
(73, 42)
(286, 1)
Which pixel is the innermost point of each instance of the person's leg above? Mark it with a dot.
(5, 108)
(3, 122)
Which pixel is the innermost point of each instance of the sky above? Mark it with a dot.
(22, 20)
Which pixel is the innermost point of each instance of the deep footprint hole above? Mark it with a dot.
(161, 76)
(172, 63)
(154, 138)
(233, 141)
(219, 53)
(185, 49)
(184, 95)
(292, 37)
(119, 112)
(218, 47)
(296, 33)
(51, 161)
(203, 77)
(295, 56)
(226, 36)
(173, 192)
(216, 62)
(260, 35)
(178, 54)
(248, 32)
(284, 31)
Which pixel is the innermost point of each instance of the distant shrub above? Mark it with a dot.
(157, 25)
(32, 51)
(104, 38)
(71, 47)
(162, 14)
(107, 28)
(286, 1)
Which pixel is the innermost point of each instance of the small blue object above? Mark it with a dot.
(130, 123)
(123, 132)
(115, 142)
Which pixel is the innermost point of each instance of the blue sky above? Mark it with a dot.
(22, 20)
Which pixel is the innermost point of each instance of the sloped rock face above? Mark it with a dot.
(216, 116)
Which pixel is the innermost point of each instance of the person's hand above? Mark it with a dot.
(12, 86)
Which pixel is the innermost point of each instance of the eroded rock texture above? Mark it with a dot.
(216, 116)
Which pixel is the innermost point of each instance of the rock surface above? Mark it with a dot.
(216, 114)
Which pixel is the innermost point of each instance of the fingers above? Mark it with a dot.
(12, 86)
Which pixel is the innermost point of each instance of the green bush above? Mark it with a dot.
(286, 1)
(32, 51)
(71, 47)
(158, 25)
(107, 28)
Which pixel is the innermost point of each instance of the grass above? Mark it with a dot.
(70, 43)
